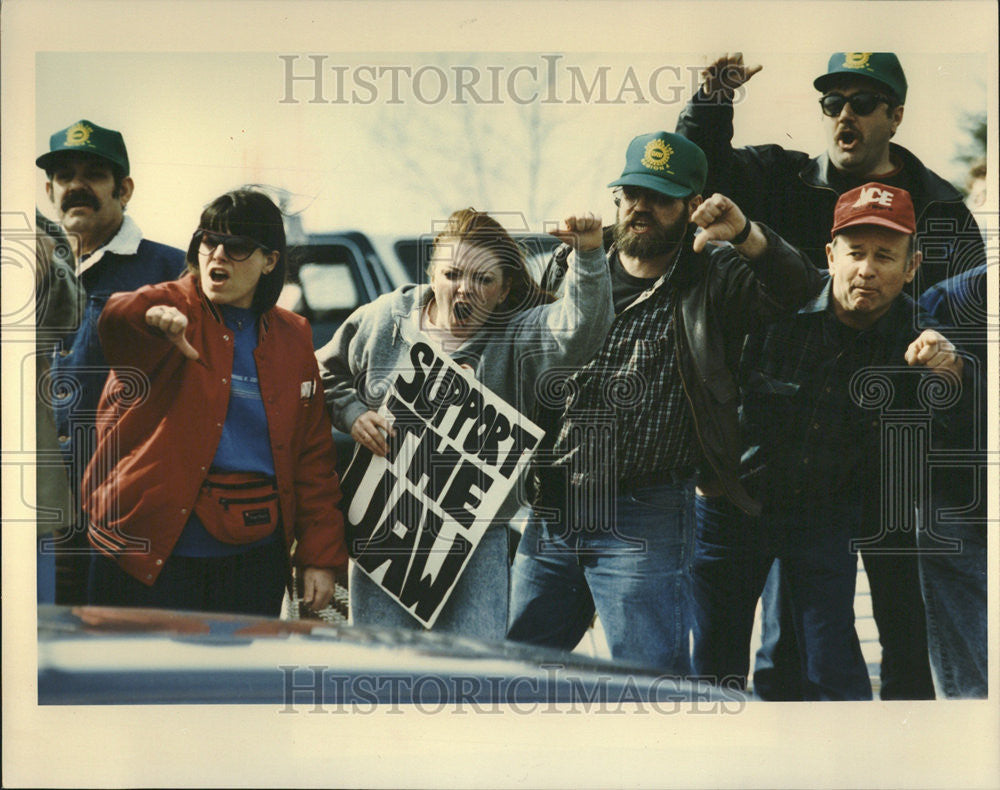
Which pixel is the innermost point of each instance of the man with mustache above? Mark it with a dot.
(89, 185)
(630, 431)
(862, 104)
(815, 385)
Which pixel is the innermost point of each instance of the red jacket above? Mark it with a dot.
(160, 421)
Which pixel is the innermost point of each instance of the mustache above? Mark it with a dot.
(79, 198)
(646, 217)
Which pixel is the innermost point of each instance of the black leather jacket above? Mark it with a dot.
(721, 296)
(795, 194)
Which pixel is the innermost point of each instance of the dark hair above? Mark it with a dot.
(250, 213)
(976, 171)
(479, 230)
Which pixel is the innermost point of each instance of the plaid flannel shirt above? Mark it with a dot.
(626, 418)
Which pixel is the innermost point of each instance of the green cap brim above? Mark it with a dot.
(50, 160)
(656, 183)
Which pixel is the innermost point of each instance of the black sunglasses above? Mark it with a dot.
(237, 248)
(862, 102)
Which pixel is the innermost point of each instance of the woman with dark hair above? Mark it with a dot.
(214, 450)
(484, 310)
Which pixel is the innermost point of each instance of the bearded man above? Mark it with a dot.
(655, 412)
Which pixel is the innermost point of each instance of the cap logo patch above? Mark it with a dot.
(856, 60)
(78, 134)
(873, 196)
(657, 155)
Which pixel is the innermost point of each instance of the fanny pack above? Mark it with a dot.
(238, 507)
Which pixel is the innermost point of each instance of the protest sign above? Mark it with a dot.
(417, 514)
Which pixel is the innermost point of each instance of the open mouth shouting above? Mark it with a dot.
(461, 311)
(642, 224)
(847, 139)
(218, 276)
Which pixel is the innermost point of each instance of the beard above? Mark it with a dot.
(659, 240)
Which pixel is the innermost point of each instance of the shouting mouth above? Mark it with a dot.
(642, 224)
(461, 311)
(847, 139)
(218, 276)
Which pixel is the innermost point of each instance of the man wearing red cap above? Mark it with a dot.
(817, 386)
(88, 183)
(862, 101)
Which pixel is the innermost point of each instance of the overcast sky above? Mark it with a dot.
(398, 139)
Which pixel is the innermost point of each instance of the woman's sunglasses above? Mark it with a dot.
(862, 102)
(236, 248)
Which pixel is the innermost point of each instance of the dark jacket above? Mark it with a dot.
(795, 194)
(161, 418)
(830, 411)
(721, 296)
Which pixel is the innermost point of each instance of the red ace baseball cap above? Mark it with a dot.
(875, 204)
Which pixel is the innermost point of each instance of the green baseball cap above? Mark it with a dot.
(666, 163)
(879, 66)
(88, 138)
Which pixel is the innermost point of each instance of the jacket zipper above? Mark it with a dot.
(226, 502)
(239, 486)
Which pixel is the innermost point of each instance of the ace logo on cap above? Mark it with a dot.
(870, 195)
(875, 204)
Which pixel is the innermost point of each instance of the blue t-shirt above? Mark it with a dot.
(245, 444)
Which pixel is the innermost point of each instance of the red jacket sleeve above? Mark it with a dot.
(126, 338)
(319, 523)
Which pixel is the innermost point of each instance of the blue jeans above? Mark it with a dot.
(777, 671)
(953, 581)
(732, 557)
(898, 610)
(477, 606)
(635, 574)
(46, 578)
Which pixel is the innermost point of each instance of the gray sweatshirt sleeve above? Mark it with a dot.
(340, 364)
(573, 328)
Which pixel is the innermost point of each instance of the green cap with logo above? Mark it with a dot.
(666, 163)
(84, 137)
(882, 67)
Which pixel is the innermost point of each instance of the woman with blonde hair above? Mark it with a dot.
(483, 309)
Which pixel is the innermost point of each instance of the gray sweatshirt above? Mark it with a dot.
(374, 343)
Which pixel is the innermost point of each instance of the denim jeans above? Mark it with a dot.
(777, 670)
(898, 611)
(46, 572)
(953, 580)
(732, 558)
(476, 608)
(634, 573)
